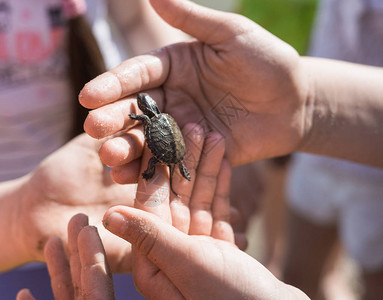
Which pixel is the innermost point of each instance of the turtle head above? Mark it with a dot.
(147, 105)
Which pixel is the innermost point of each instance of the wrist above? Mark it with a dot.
(12, 236)
(312, 108)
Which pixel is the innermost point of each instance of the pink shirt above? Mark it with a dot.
(35, 101)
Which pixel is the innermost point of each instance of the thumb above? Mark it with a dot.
(205, 24)
(151, 236)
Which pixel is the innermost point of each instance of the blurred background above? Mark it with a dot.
(290, 20)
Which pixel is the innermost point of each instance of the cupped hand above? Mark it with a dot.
(235, 78)
(69, 181)
(193, 267)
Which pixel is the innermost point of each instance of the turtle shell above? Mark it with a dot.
(164, 139)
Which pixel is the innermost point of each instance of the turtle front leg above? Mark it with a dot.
(184, 172)
(149, 172)
(142, 118)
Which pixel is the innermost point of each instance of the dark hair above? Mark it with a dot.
(85, 63)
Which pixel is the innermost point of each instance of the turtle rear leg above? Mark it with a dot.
(171, 172)
(184, 172)
(149, 172)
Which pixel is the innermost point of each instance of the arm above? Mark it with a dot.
(345, 111)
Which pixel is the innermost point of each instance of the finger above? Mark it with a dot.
(154, 243)
(201, 202)
(114, 117)
(96, 277)
(25, 294)
(177, 254)
(179, 207)
(133, 75)
(221, 228)
(76, 224)
(123, 149)
(58, 268)
(205, 24)
(127, 174)
(111, 118)
(152, 196)
(153, 193)
(235, 215)
(241, 240)
(149, 234)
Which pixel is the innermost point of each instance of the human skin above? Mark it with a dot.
(140, 27)
(204, 209)
(294, 103)
(73, 179)
(198, 260)
(194, 267)
(85, 273)
(40, 204)
(181, 266)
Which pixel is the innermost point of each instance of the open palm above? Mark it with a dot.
(236, 78)
(69, 181)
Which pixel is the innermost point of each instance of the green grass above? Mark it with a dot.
(290, 20)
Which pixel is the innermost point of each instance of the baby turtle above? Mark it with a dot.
(164, 138)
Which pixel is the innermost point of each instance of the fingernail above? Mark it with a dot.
(28, 292)
(24, 294)
(114, 221)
